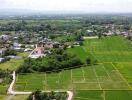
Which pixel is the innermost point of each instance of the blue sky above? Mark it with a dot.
(70, 5)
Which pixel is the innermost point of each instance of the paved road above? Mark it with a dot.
(11, 92)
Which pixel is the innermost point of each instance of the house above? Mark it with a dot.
(37, 52)
(125, 34)
(2, 51)
(27, 50)
(108, 33)
(89, 33)
(48, 45)
(5, 37)
(17, 46)
(1, 60)
(14, 57)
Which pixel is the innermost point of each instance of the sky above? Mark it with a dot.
(70, 5)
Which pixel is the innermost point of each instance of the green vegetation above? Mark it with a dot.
(13, 64)
(103, 95)
(23, 54)
(81, 52)
(5, 79)
(112, 72)
(63, 39)
(98, 69)
(10, 52)
(56, 61)
(125, 69)
(96, 77)
(109, 49)
(38, 95)
(15, 97)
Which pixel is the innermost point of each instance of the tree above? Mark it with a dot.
(88, 61)
(81, 43)
(99, 35)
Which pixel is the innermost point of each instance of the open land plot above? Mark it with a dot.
(79, 51)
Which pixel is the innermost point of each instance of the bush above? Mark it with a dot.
(88, 61)
(38, 95)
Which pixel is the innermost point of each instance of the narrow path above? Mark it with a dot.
(9, 97)
(104, 95)
(97, 78)
(83, 75)
(11, 92)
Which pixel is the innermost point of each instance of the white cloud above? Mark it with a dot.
(70, 5)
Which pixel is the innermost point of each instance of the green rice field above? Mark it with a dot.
(109, 79)
(103, 95)
(96, 77)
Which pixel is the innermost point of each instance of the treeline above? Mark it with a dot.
(57, 61)
(38, 95)
(27, 25)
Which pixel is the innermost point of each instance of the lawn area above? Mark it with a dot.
(23, 54)
(13, 64)
(79, 51)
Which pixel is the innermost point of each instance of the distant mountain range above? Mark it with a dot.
(20, 12)
(13, 12)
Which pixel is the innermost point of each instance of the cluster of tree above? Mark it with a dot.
(5, 76)
(91, 60)
(63, 38)
(107, 19)
(3, 73)
(10, 52)
(38, 95)
(58, 60)
(39, 25)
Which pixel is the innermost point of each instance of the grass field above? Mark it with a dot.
(13, 64)
(96, 82)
